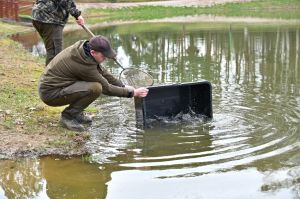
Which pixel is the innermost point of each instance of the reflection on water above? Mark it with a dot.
(20, 179)
(249, 150)
(52, 178)
(32, 42)
(79, 180)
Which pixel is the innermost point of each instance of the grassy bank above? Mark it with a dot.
(7, 29)
(279, 9)
(26, 124)
(20, 105)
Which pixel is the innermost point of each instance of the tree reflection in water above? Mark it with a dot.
(74, 178)
(52, 178)
(21, 179)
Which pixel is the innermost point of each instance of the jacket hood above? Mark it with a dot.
(78, 54)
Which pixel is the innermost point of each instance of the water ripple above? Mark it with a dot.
(241, 133)
(206, 159)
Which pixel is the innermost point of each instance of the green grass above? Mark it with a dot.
(17, 98)
(59, 142)
(278, 9)
(20, 105)
(6, 29)
(267, 9)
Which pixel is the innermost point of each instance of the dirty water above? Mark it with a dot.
(250, 149)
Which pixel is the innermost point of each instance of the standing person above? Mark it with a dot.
(49, 18)
(75, 77)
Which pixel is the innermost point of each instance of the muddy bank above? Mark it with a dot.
(22, 144)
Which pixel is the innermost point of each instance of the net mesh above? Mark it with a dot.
(136, 78)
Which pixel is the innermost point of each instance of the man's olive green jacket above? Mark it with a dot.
(71, 65)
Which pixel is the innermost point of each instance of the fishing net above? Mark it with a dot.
(136, 78)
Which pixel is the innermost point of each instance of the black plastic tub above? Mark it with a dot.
(170, 100)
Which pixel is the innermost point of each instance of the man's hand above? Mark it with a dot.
(140, 92)
(80, 20)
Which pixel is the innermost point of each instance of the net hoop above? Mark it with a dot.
(136, 78)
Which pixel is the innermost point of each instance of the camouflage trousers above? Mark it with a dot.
(52, 35)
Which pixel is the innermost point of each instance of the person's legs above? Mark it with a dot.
(79, 96)
(52, 36)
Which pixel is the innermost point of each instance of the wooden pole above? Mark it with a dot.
(15, 8)
(1, 8)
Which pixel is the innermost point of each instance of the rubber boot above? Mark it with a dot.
(71, 124)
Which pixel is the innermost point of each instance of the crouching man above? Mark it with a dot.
(75, 78)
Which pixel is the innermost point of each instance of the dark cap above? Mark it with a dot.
(101, 44)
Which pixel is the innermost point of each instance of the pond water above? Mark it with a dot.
(250, 149)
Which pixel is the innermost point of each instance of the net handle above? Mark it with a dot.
(118, 63)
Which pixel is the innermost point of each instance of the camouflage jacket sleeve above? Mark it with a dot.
(71, 8)
(54, 11)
